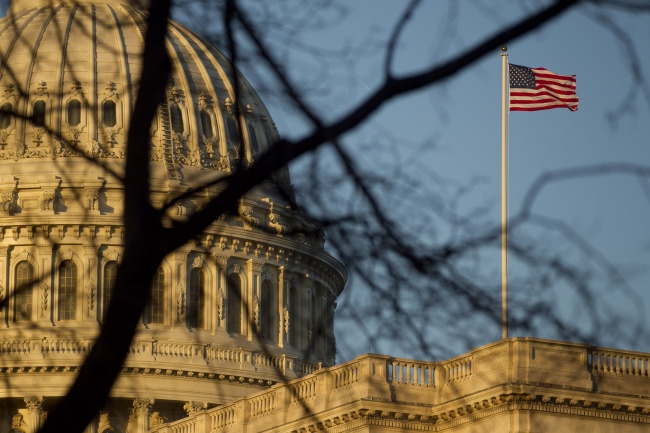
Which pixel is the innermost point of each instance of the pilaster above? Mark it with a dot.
(283, 309)
(179, 287)
(253, 305)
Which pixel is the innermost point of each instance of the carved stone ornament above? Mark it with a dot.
(7, 203)
(92, 197)
(220, 305)
(256, 311)
(91, 296)
(45, 293)
(110, 90)
(155, 420)
(180, 301)
(285, 315)
(48, 199)
(34, 403)
(76, 89)
(197, 262)
(236, 268)
(41, 89)
(192, 407)
(2, 293)
(141, 405)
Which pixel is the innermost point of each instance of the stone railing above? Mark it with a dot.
(369, 378)
(159, 354)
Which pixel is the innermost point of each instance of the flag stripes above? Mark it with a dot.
(533, 89)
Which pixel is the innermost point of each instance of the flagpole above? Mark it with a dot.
(504, 196)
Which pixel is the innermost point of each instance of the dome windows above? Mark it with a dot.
(23, 296)
(156, 308)
(109, 113)
(233, 131)
(206, 124)
(110, 274)
(5, 115)
(252, 138)
(38, 113)
(233, 324)
(176, 118)
(268, 312)
(196, 299)
(68, 290)
(74, 112)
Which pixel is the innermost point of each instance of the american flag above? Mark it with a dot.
(533, 89)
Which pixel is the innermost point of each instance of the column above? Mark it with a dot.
(34, 413)
(283, 309)
(141, 414)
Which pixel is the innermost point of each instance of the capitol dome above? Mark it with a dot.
(247, 304)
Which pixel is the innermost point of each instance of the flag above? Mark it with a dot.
(533, 89)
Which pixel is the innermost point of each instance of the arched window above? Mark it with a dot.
(110, 273)
(233, 131)
(74, 112)
(24, 281)
(206, 124)
(176, 118)
(233, 323)
(252, 138)
(109, 114)
(67, 290)
(268, 312)
(157, 302)
(196, 299)
(38, 113)
(293, 318)
(5, 115)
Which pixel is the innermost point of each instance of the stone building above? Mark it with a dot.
(238, 335)
(74, 68)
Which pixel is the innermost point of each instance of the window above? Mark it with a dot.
(5, 115)
(253, 138)
(156, 313)
(68, 290)
(268, 312)
(176, 118)
(38, 113)
(196, 299)
(74, 112)
(206, 124)
(233, 131)
(233, 323)
(110, 273)
(109, 114)
(24, 281)
(293, 317)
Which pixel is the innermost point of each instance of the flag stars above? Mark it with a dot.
(521, 77)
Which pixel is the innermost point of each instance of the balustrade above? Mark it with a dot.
(619, 363)
(222, 418)
(263, 404)
(303, 390)
(458, 369)
(345, 375)
(407, 372)
(185, 426)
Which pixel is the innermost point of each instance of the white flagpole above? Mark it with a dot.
(504, 196)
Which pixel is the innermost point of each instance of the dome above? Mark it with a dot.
(248, 303)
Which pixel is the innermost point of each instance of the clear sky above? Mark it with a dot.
(454, 131)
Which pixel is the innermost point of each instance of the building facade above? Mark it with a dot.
(245, 305)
